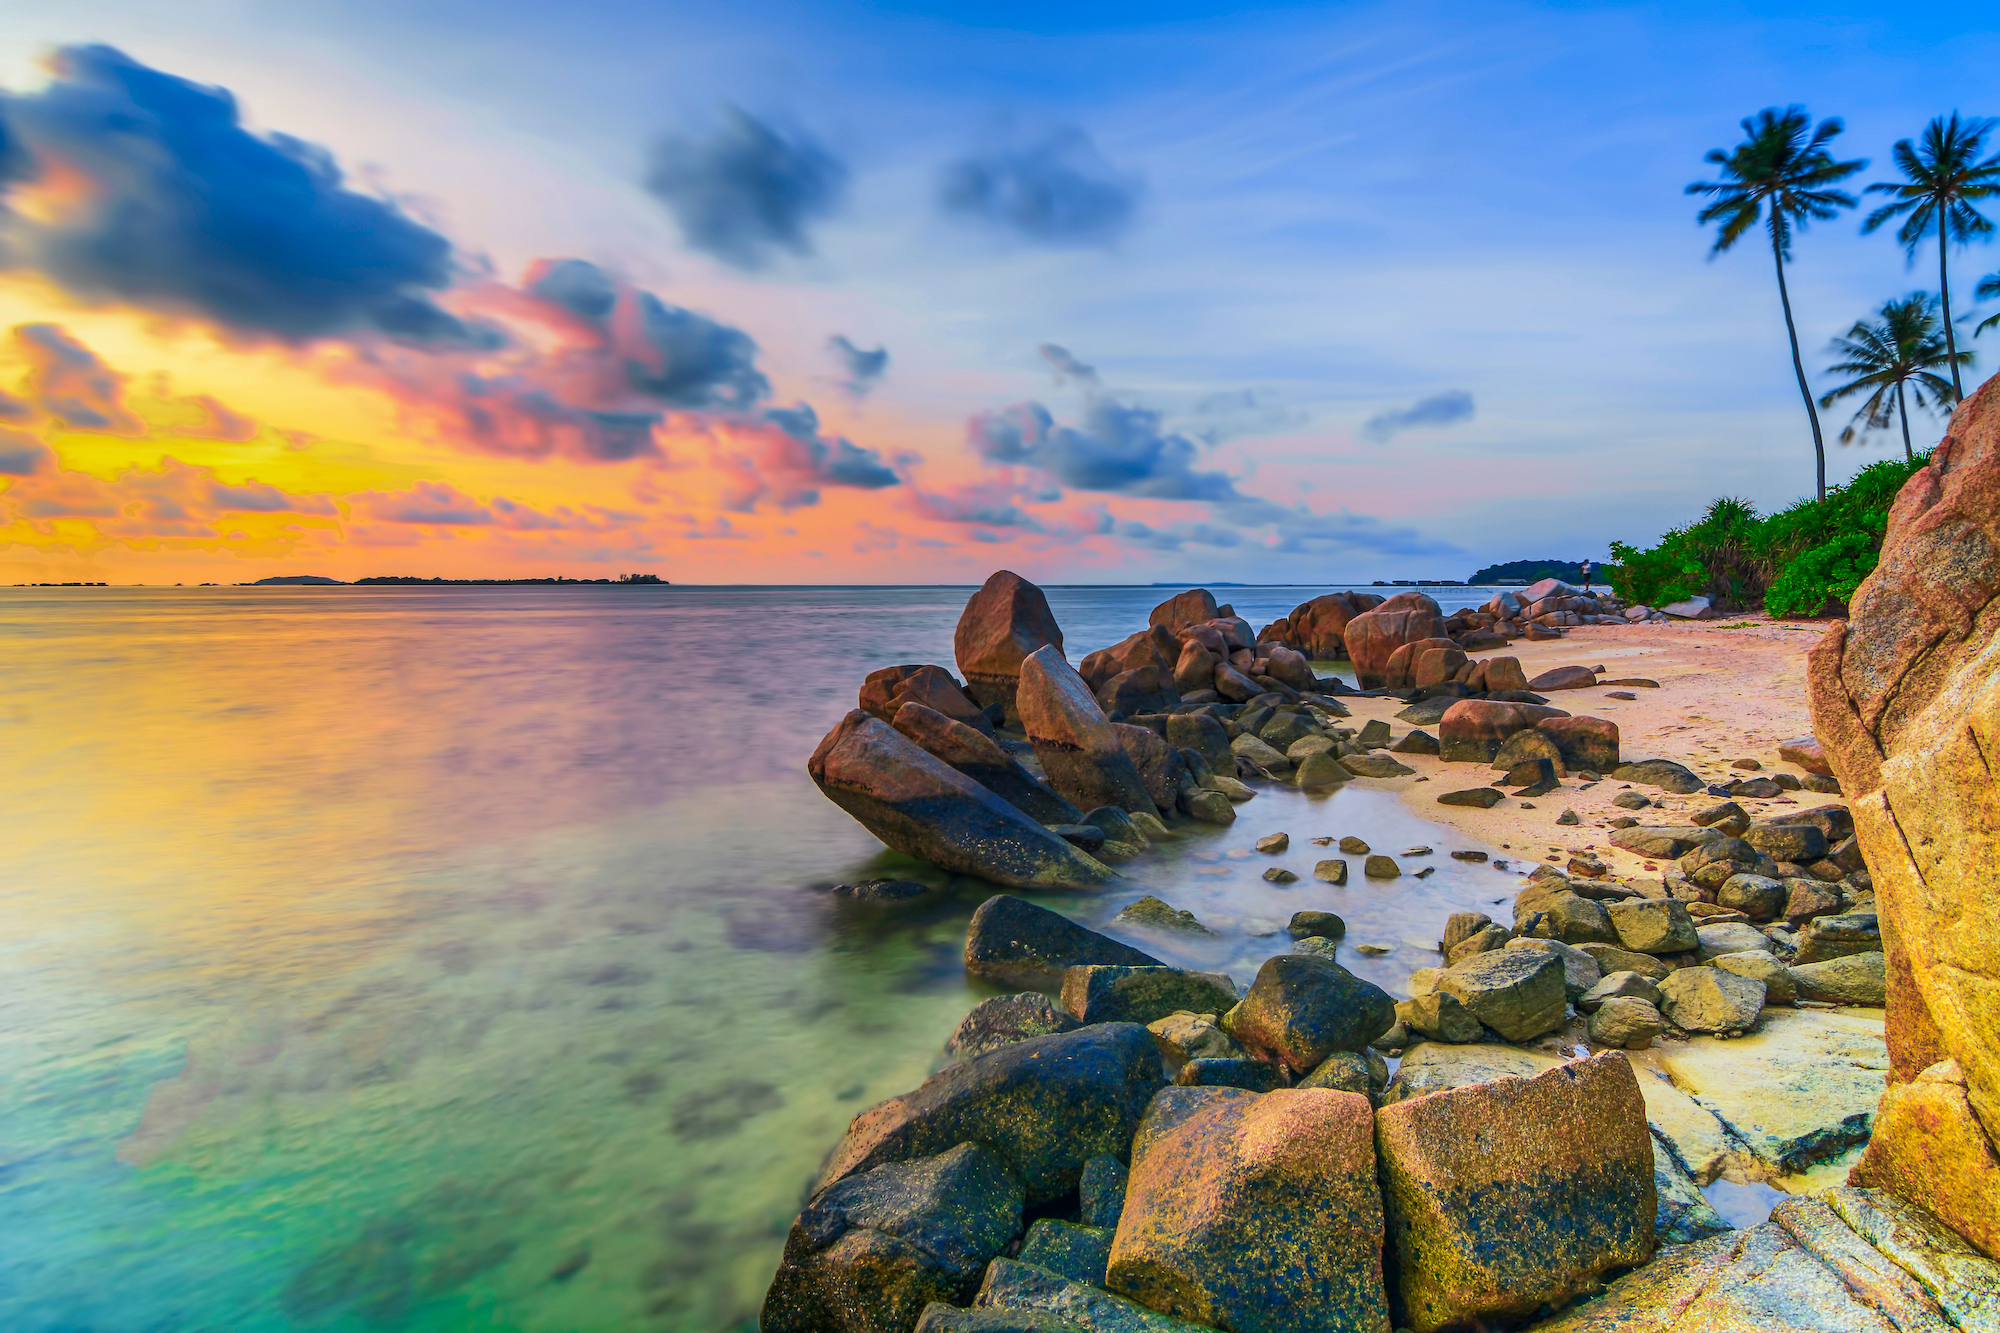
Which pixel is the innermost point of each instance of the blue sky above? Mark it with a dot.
(1272, 227)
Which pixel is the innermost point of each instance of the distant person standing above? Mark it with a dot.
(1586, 576)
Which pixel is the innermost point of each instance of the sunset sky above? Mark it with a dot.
(819, 292)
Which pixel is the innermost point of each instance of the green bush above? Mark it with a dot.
(1790, 562)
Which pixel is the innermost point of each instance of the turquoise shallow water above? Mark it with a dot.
(447, 959)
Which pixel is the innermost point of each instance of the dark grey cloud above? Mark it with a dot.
(23, 455)
(838, 461)
(1440, 409)
(188, 213)
(746, 193)
(691, 360)
(70, 383)
(575, 285)
(1056, 190)
(1066, 366)
(862, 368)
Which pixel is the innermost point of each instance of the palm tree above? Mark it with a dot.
(1942, 177)
(1783, 163)
(1988, 288)
(1901, 348)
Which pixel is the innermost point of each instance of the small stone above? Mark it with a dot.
(1280, 875)
(1621, 694)
(1630, 800)
(1333, 871)
(1721, 937)
(1426, 872)
(1837, 937)
(1353, 846)
(1416, 742)
(1375, 766)
(1758, 897)
(1568, 818)
(1440, 1017)
(1305, 925)
(1381, 867)
(1254, 1075)
(1468, 856)
(1485, 798)
(1750, 765)
(1374, 735)
(1150, 911)
(1185, 1036)
(1274, 843)
(1416, 851)
(1626, 1021)
(1374, 950)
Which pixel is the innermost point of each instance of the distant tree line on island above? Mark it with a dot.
(410, 581)
(1529, 571)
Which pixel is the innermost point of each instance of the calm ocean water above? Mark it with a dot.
(441, 959)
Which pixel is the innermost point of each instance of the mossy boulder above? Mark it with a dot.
(1302, 1009)
(1517, 992)
(1259, 1215)
(1100, 994)
(1017, 943)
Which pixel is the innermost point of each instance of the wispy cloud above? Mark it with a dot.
(1056, 190)
(1440, 409)
(860, 368)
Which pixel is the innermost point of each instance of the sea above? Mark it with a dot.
(461, 958)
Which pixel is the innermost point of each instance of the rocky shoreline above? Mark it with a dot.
(1123, 1144)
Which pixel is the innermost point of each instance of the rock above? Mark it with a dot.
(1706, 999)
(924, 808)
(1007, 619)
(1194, 668)
(882, 892)
(1504, 1197)
(1101, 1193)
(941, 1318)
(1662, 773)
(1002, 1020)
(1427, 712)
(1332, 871)
(1084, 837)
(1285, 730)
(1806, 753)
(1806, 899)
(1620, 985)
(1201, 733)
(1320, 772)
(1019, 1289)
(1075, 743)
(1653, 925)
(1373, 636)
(869, 1252)
(1259, 1214)
(1684, 1215)
(1354, 846)
(1318, 626)
(1161, 768)
(1587, 744)
(1274, 843)
(1485, 798)
(1381, 867)
(1240, 1072)
(1123, 838)
(1564, 678)
(1462, 926)
(1962, 1281)
(1153, 647)
(1301, 1009)
(1067, 1249)
(1045, 1106)
(1362, 1072)
(1182, 1037)
(1293, 669)
(1429, 1067)
(1670, 842)
(1374, 766)
(1472, 730)
(1929, 1148)
(1799, 843)
(1858, 978)
(1154, 914)
(1728, 819)
(1756, 896)
(1580, 970)
(1439, 1017)
(1142, 995)
(1195, 607)
(1280, 875)
(1484, 940)
(1504, 673)
(1627, 1022)
(1518, 993)
(1729, 937)
(1837, 937)
(1524, 748)
(978, 757)
(1694, 608)
(1014, 942)
(1416, 742)
(1571, 918)
(1262, 758)
(1760, 966)
(885, 691)
(1610, 958)
(1800, 1089)
(1630, 800)
(1323, 924)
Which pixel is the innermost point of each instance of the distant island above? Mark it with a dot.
(409, 581)
(1529, 571)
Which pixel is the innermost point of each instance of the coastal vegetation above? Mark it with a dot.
(1795, 562)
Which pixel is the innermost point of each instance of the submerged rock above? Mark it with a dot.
(1151, 911)
(924, 808)
(1014, 942)
(1258, 1213)
(871, 1251)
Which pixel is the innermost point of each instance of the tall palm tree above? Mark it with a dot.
(1942, 177)
(1901, 348)
(1784, 165)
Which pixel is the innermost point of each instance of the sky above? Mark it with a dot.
(787, 292)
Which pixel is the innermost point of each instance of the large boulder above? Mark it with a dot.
(1401, 668)
(1929, 1119)
(1587, 744)
(1004, 621)
(924, 808)
(885, 691)
(1301, 1009)
(1662, 773)
(1146, 689)
(1096, 993)
(1204, 735)
(870, 1252)
(1838, 936)
(1519, 993)
(1258, 1215)
(1708, 999)
(1506, 1196)
(1372, 637)
(980, 758)
(1161, 767)
(1016, 943)
(1194, 607)
(1194, 667)
(1021, 1294)
(1473, 730)
(1318, 627)
(1073, 739)
(1044, 1106)
(1148, 647)
(1653, 925)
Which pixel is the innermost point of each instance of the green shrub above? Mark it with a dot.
(1790, 562)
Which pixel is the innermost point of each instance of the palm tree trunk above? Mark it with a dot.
(1903, 412)
(1819, 444)
(1944, 292)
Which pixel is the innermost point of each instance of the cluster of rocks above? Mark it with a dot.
(1153, 1151)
